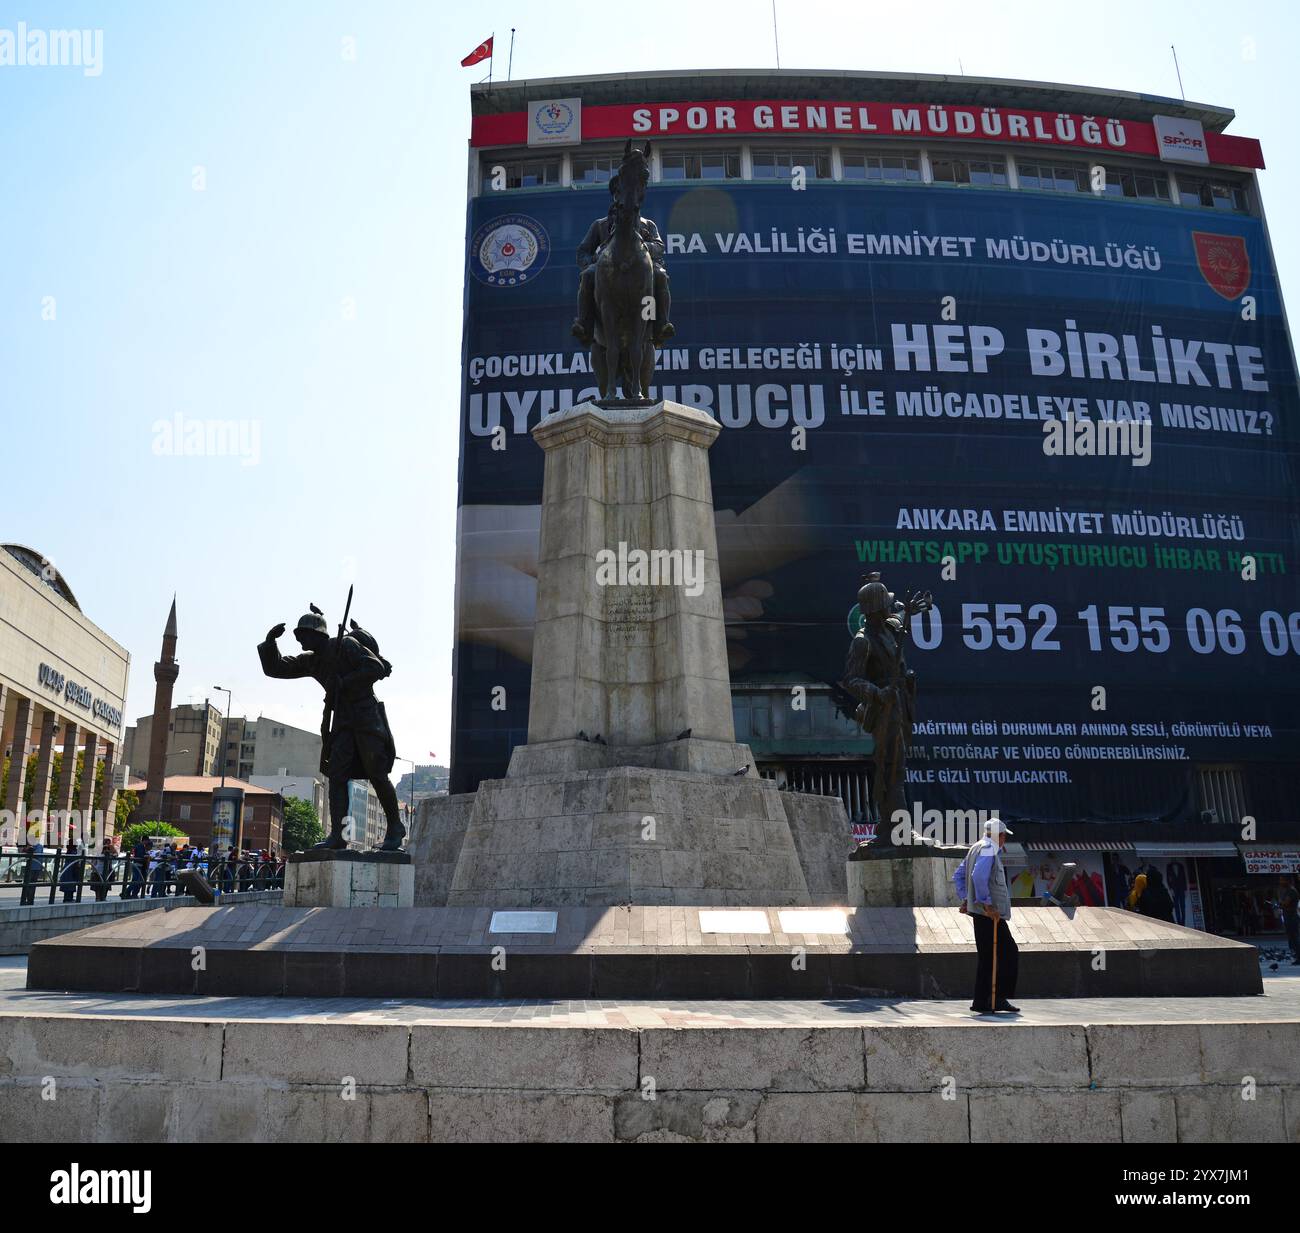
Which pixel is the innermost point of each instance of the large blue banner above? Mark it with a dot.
(1072, 420)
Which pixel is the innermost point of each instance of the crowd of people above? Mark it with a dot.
(149, 871)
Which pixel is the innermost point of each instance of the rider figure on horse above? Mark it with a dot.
(589, 250)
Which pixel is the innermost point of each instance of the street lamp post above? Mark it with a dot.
(224, 721)
(410, 794)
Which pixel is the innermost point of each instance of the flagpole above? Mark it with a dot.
(492, 58)
(510, 64)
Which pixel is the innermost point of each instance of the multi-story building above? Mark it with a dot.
(273, 753)
(1018, 344)
(194, 738)
(186, 803)
(62, 685)
(368, 823)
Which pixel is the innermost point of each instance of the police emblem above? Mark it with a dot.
(509, 251)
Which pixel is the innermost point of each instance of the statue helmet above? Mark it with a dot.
(875, 597)
(312, 621)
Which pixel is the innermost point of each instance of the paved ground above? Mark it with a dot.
(1280, 1003)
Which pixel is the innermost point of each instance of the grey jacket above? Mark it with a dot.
(986, 879)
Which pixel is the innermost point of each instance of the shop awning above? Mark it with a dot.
(1095, 845)
(1180, 851)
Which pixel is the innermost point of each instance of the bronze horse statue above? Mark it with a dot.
(622, 351)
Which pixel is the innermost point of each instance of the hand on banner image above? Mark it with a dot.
(498, 576)
(740, 605)
(776, 529)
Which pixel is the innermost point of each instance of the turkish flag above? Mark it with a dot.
(481, 52)
(1224, 262)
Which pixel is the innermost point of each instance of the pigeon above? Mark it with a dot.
(744, 770)
(598, 740)
(685, 736)
(316, 610)
(582, 736)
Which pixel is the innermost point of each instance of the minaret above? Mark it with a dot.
(165, 672)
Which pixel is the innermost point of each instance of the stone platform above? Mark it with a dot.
(134, 1068)
(634, 952)
(623, 834)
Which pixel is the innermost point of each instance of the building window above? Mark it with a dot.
(524, 173)
(699, 165)
(592, 169)
(1202, 194)
(1222, 794)
(985, 172)
(881, 168)
(780, 164)
(1055, 177)
(1136, 185)
(184, 814)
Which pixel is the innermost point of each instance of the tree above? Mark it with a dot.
(302, 826)
(125, 805)
(145, 830)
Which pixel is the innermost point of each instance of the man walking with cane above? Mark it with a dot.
(982, 885)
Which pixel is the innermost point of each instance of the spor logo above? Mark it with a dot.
(509, 251)
(554, 118)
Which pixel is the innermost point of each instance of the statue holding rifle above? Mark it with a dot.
(877, 677)
(356, 742)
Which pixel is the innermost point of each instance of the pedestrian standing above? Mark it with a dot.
(983, 887)
(1156, 901)
(1288, 904)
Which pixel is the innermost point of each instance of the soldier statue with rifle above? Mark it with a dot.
(356, 742)
(877, 677)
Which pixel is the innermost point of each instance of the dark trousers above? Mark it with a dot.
(1008, 962)
(1292, 926)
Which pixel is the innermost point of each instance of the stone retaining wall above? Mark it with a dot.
(21, 928)
(266, 1081)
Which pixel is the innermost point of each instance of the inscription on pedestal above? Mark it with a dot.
(629, 612)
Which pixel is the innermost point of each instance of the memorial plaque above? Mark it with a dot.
(629, 612)
(734, 922)
(522, 922)
(826, 920)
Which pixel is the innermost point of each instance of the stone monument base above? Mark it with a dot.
(920, 878)
(602, 835)
(321, 878)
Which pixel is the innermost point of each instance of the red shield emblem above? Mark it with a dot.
(1224, 262)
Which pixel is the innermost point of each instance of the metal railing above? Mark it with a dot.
(70, 874)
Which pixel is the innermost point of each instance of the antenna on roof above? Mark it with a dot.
(1179, 71)
(776, 38)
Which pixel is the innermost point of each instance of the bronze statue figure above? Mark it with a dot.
(356, 742)
(623, 296)
(876, 674)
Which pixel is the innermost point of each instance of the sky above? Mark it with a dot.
(254, 214)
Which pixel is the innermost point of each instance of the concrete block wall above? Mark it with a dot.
(21, 928)
(239, 1081)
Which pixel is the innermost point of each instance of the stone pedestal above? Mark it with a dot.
(920, 880)
(632, 788)
(347, 879)
(629, 643)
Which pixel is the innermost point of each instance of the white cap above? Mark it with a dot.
(995, 827)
